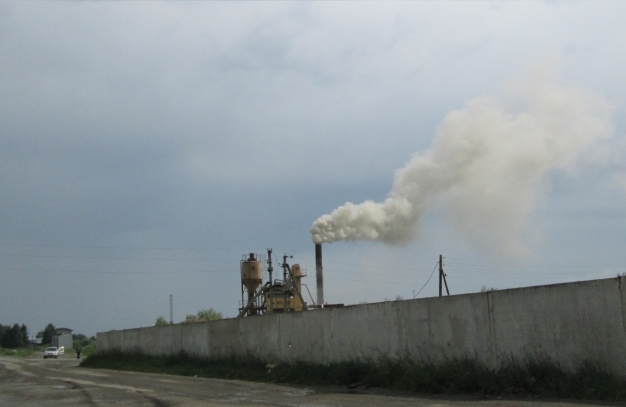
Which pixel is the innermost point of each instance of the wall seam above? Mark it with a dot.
(621, 303)
(492, 330)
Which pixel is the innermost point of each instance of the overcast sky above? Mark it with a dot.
(145, 147)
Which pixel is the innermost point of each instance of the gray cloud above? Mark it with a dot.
(223, 127)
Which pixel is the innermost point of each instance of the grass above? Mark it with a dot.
(29, 351)
(530, 376)
(88, 350)
(19, 352)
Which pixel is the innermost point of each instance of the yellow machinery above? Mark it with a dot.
(275, 295)
(284, 297)
(251, 279)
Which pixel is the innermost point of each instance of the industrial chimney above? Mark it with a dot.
(319, 272)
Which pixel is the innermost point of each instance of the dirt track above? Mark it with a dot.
(37, 382)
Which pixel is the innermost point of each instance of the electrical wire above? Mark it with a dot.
(109, 258)
(476, 264)
(360, 265)
(114, 272)
(366, 281)
(118, 247)
(429, 277)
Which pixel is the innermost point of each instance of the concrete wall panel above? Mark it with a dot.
(223, 338)
(169, 339)
(148, 339)
(363, 331)
(260, 336)
(568, 322)
(459, 326)
(130, 339)
(195, 339)
(304, 337)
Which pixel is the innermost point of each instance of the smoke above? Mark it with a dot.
(483, 168)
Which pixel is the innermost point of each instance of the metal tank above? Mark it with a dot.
(251, 277)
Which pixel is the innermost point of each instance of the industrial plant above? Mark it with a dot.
(277, 295)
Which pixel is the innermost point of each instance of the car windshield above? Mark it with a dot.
(50, 349)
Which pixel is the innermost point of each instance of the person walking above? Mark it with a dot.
(78, 353)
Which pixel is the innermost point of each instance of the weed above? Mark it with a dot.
(537, 376)
(19, 352)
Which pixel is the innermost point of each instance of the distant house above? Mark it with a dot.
(63, 338)
(64, 333)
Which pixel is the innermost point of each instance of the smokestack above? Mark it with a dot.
(319, 273)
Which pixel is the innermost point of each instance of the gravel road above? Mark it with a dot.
(60, 382)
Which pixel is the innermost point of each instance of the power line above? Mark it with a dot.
(522, 266)
(367, 281)
(108, 258)
(119, 247)
(114, 272)
(361, 265)
(429, 277)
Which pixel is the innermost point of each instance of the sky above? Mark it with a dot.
(145, 147)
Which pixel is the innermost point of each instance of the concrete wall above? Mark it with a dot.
(65, 340)
(569, 322)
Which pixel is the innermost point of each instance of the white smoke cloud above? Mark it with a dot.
(483, 168)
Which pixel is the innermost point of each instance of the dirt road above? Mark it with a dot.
(36, 382)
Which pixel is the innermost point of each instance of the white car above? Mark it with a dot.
(53, 352)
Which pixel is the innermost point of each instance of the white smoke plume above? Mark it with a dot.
(483, 168)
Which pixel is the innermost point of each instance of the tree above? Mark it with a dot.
(81, 341)
(3, 329)
(23, 336)
(160, 321)
(48, 333)
(209, 314)
(14, 337)
(204, 315)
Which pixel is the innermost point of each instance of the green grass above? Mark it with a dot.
(19, 352)
(38, 349)
(89, 349)
(528, 377)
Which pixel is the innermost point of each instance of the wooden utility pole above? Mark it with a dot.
(442, 277)
(440, 273)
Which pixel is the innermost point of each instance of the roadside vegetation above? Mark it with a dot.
(532, 377)
(14, 341)
(12, 337)
(202, 315)
(87, 345)
(19, 352)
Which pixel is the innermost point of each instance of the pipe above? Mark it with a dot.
(319, 273)
(270, 269)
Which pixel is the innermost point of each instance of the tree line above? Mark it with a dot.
(15, 336)
(202, 315)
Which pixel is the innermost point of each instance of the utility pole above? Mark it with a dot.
(440, 273)
(171, 309)
(442, 277)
